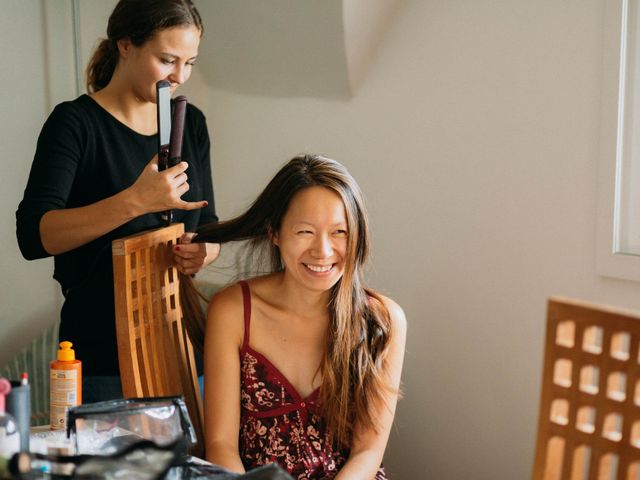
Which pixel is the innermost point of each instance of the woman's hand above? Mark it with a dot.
(191, 257)
(153, 191)
(156, 191)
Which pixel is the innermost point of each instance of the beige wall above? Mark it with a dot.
(29, 298)
(475, 139)
(38, 72)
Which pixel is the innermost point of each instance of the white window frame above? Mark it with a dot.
(611, 259)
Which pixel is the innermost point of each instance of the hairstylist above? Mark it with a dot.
(95, 176)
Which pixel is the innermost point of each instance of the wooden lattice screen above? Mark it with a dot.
(589, 423)
(154, 351)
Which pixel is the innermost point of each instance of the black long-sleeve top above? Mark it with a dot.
(84, 155)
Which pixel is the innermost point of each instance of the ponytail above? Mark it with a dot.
(102, 65)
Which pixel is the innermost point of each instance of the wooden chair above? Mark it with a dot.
(155, 354)
(589, 419)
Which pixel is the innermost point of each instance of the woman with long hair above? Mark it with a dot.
(95, 177)
(302, 365)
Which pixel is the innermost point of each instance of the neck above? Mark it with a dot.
(120, 101)
(301, 301)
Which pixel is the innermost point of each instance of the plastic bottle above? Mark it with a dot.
(65, 385)
(9, 434)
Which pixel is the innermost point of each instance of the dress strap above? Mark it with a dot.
(246, 301)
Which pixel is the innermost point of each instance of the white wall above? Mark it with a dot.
(29, 298)
(38, 72)
(475, 138)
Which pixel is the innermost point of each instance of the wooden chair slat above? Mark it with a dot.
(602, 417)
(155, 354)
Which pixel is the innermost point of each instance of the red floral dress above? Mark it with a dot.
(276, 424)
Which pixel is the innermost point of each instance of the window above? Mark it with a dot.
(618, 243)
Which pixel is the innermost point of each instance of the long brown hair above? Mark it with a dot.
(137, 20)
(353, 384)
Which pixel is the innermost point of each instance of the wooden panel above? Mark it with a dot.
(589, 419)
(155, 354)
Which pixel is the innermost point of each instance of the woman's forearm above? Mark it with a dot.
(225, 457)
(64, 230)
(360, 466)
(153, 191)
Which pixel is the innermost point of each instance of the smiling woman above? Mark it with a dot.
(95, 177)
(170, 54)
(302, 365)
(313, 238)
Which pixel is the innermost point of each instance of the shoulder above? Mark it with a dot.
(261, 290)
(70, 123)
(194, 111)
(397, 338)
(227, 296)
(231, 298)
(196, 123)
(81, 115)
(265, 287)
(82, 106)
(396, 315)
(227, 300)
(67, 112)
(226, 313)
(195, 115)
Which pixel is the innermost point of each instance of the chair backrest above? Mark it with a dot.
(155, 354)
(589, 419)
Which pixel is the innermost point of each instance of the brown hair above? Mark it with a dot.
(353, 384)
(137, 20)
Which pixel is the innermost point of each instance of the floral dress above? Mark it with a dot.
(277, 424)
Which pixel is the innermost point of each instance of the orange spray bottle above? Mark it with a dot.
(65, 385)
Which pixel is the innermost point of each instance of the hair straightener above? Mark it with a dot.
(170, 131)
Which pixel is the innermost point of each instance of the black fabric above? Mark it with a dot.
(84, 155)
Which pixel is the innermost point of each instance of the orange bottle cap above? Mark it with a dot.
(66, 353)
